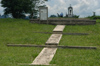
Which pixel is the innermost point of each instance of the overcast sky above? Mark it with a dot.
(81, 7)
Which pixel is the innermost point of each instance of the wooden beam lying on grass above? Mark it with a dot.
(75, 34)
(79, 47)
(25, 45)
(51, 46)
(44, 32)
(64, 33)
(30, 64)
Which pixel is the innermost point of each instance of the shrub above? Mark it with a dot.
(93, 17)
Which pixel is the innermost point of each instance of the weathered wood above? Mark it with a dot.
(64, 33)
(75, 34)
(44, 32)
(25, 45)
(23, 64)
(51, 46)
(77, 47)
(30, 64)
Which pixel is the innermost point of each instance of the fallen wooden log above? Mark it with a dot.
(44, 32)
(64, 33)
(51, 46)
(75, 34)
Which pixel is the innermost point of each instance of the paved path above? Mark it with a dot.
(58, 29)
(54, 39)
(47, 54)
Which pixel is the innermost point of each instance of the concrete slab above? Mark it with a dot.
(45, 56)
(54, 39)
(58, 29)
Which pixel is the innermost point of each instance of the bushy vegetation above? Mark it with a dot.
(93, 17)
(75, 16)
(53, 16)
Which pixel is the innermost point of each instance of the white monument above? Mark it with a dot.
(70, 11)
(43, 13)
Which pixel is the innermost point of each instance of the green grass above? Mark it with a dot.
(82, 40)
(79, 57)
(18, 31)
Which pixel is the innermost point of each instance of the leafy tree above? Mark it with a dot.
(35, 7)
(17, 8)
(76, 16)
(53, 16)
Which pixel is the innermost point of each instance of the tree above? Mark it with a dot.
(53, 16)
(34, 10)
(17, 8)
(35, 7)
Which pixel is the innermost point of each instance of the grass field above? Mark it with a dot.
(18, 31)
(79, 57)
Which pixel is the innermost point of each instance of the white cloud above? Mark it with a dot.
(81, 7)
(98, 12)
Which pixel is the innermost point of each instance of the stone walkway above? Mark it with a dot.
(47, 54)
(54, 39)
(59, 29)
